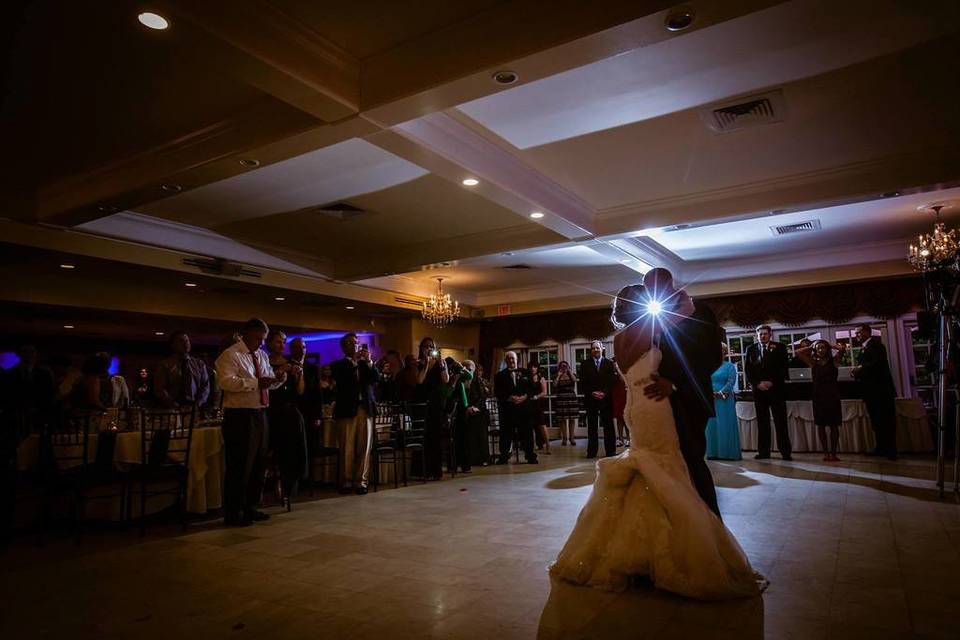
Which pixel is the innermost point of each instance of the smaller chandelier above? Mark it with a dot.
(440, 310)
(935, 250)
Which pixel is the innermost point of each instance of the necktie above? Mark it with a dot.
(264, 393)
(513, 376)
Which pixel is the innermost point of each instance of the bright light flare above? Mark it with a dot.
(654, 307)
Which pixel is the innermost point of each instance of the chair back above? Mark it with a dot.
(387, 425)
(414, 423)
(68, 446)
(494, 410)
(166, 436)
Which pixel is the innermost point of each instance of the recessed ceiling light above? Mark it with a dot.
(349, 308)
(470, 182)
(279, 298)
(68, 266)
(158, 333)
(536, 215)
(250, 162)
(505, 77)
(153, 21)
(171, 188)
(678, 20)
(68, 326)
(189, 284)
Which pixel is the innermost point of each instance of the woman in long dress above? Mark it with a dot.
(723, 431)
(644, 517)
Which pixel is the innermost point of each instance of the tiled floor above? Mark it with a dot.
(861, 549)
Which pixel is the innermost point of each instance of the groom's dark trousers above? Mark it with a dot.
(691, 353)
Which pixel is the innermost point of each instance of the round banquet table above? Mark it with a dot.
(856, 434)
(204, 483)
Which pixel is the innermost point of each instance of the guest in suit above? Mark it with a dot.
(877, 390)
(598, 377)
(723, 430)
(181, 380)
(766, 368)
(354, 379)
(690, 348)
(827, 410)
(513, 390)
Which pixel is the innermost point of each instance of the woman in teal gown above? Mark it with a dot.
(723, 432)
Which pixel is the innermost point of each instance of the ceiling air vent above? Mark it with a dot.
(518, 267)
(410, 301)
(221, 267)
(800, 227)
(341, 211)
(744, 113)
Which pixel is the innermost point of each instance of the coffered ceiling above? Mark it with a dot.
(330, 143)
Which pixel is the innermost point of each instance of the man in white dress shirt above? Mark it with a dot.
(245, 377)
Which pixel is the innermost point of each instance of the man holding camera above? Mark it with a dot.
(354, 408)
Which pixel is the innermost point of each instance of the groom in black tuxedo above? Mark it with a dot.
(691, 352)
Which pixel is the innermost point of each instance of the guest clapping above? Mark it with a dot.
(287, 438)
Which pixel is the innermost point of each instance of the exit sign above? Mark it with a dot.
(503, 310)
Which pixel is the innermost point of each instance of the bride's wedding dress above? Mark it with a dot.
(644, 517)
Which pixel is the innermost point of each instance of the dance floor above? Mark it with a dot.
(859, 549)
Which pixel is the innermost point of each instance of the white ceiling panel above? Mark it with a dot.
(337, 172)
(852, 224)
(785, 43)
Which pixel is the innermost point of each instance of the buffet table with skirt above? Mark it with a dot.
(856, 433)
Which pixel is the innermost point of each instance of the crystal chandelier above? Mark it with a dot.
(440, 310)
(935, 250)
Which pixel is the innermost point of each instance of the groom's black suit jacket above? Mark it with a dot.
(691, 353)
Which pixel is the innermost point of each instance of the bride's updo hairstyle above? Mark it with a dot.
(628, 306)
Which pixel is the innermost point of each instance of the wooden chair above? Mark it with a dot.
(413, 428)
(166, 437)
(387, 444)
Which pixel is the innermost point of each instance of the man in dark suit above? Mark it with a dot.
(877, 390)
(598, 377)
(513, 390)
(766, 364)
(355, 407)
(690, 353)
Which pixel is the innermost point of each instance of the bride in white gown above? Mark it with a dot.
(644, 517)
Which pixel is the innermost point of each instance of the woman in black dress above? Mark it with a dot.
(827, 413)
(432, 377)
(538, 402)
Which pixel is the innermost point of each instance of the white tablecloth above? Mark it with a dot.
(204, 484)
(856, 433)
